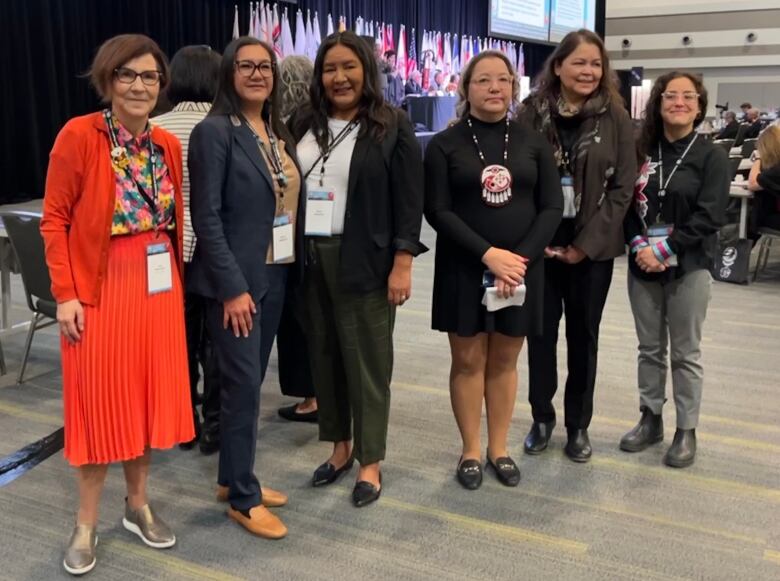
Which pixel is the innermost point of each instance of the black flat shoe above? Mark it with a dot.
(327, 473)
(365, 493)
(469, 473)
(292, 414)
(578, 447)
(538, 437)
(506, 470)
(209, 444)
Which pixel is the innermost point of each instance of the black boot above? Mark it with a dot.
(683, 449)
(578, 446)
(537, 439)
(649, 430)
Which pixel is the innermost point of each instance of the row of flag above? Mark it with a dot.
(443, 52)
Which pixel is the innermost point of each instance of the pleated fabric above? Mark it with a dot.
(126, 382)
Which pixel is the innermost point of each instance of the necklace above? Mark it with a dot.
(496, 179)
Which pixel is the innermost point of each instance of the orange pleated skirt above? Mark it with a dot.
(126, 382)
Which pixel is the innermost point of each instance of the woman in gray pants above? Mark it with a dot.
(679, 205)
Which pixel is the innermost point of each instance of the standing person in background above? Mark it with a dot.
(394, 94)
(363, 166)
(577, 106)
(478, 237)
(246, 195)
(112, 205)
(295, 379)
(672, 230)
(194, 71)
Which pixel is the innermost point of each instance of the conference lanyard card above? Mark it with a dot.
(319, 213)
(159, 276)
(283, 238)
(659, 233)
(567, 186)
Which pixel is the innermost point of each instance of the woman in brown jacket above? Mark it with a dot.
(576, 105)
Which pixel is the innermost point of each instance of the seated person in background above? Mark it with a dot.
(764, 179)
(452, 86)
(436, 86)
(756, 125)
(414, 85)
(731, 126)
(745, 107)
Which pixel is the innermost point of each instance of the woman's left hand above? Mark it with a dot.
(571, 255)
(399, 283)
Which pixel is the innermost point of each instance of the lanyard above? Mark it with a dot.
(118, 151)
(274, 156)
(661, 184)
(324, 155)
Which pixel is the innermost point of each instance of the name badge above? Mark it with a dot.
(319, 213)
(283, 238)
(159, 277)
(569, 207)
(659, 233)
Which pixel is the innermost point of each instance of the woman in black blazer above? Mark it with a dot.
(246, 205)
(363, 170)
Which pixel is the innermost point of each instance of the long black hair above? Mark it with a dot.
(653, 126)
(375, 116)
(227, 101)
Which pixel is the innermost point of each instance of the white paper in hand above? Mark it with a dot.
(493, 302)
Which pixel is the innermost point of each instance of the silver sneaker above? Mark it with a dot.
(80, 555)
(151, 528)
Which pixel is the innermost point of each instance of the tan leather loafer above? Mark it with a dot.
(261, 522)
(271, 498)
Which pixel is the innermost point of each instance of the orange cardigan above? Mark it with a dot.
(78, 206)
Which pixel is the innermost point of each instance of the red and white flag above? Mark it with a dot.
(400, 58)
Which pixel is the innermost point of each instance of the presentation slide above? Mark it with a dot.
(568, 15)
(520, 19)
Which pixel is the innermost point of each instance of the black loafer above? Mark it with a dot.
(506, 470)
(327, 473)
(538, 437)
(469, 474)
(365, 493)
(209, 444)
(291, 414)
(578, 447)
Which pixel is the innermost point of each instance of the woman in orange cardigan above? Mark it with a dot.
(112, 218)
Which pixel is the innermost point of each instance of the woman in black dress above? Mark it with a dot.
(494, 197)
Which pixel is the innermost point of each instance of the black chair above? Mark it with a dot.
(24, 232)
(748, 147)
(726, 144)
(734, 167)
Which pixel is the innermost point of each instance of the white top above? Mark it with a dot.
(181, 121)
(336, 178)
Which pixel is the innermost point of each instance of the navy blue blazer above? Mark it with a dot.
(232, 204)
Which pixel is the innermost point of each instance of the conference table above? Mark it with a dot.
(739, 190)
(431, 111)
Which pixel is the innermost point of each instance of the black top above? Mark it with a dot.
(729, 131)
(467, 227)
(695, 203)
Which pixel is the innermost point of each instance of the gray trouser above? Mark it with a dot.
(671, 313)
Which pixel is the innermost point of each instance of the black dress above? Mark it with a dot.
(467, 227)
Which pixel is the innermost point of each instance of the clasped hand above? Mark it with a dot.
(508, 268)
(647, 261)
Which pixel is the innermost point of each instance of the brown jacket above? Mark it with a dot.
(607, 185)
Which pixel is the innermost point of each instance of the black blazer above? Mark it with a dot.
(729, 131)
(232, 204)
(384, 203)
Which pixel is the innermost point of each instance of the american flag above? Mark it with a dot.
(411, 60)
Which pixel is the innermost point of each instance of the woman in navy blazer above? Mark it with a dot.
(244, 179)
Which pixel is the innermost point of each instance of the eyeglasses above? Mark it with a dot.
(687, 96)
(486, 82)
(128, 76)
(248, 68)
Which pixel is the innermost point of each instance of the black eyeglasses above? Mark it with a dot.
(128, 76)
(248, 68)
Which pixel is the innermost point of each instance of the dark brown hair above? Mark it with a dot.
(118, 51)
(227, 101)
(464, 107)
(653, 125)
(194, 72)
(375, 116)
(548, 85)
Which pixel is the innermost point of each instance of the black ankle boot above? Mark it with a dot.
(649, 430)
(538, 438)
(682, 452)
(578, 447)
